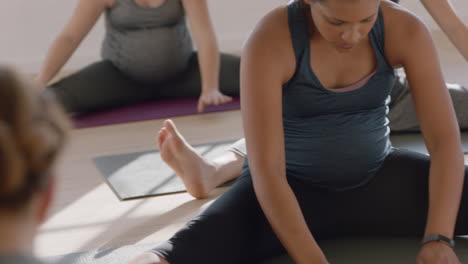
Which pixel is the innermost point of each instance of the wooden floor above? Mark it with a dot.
(87, 215)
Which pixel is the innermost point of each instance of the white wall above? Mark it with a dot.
(27, 27)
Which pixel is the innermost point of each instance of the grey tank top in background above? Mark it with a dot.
(335, 140)
(149, 45)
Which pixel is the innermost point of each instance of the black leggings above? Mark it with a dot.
(101, 85)
(234, 229)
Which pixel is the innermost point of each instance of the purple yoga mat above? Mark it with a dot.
(148, 111)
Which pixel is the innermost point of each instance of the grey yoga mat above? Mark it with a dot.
(381, 250)
(140, 174)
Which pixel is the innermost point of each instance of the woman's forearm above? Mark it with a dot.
(57, 56)
(205, 40)
(285, 216)
(450, 23)
(84, 17)
(209, 62)
(445, 188)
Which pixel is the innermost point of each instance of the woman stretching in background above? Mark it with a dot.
(147, 54)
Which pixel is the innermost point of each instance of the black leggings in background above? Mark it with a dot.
(101, 85)
(234, 229)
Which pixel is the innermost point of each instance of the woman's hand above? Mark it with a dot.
(437, 253)
(212, 97)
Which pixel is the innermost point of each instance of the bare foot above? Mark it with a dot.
(195, 171)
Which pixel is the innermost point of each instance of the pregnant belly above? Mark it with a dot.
(151, 56)
(337, 161)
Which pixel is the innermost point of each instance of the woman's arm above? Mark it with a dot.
(451, 24)
(267, 62)
(414, 49)
(208, 52)
(84, 17)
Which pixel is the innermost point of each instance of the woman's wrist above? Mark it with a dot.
(209, 88)
(438, 238)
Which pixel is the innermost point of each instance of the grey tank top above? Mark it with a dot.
(335, 140)
(149, 45)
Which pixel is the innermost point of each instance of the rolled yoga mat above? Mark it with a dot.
(376, 250)
(141, 174)
(149, 111)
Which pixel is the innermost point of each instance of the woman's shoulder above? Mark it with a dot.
(269, 46)
(272, 31)
(398, 18)
(270, 42)
(274, 23)
(109, 3)
(401, 28)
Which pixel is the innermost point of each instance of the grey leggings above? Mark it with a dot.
(101, 85)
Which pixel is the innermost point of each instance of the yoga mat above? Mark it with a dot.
(381, 250)
(140, 174)
(148, 111)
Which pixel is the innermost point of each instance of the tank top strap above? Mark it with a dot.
(298, 28)
(377, 34)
